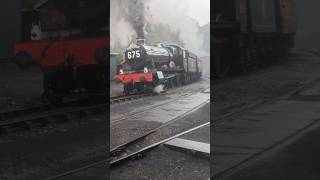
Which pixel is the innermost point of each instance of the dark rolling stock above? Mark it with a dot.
(251, 33)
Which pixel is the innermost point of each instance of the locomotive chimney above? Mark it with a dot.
(140, 41)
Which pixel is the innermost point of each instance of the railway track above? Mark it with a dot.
(45, 107)
(43, 115)
(124, 98)
(91, 169)
(117, 161)
(268, 151)
(116, 151)
(120, 152)
(111, 163)
(274, 147)
(125, 115)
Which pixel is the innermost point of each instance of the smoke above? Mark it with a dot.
(130, 17)
(127, 19)
(135, 16)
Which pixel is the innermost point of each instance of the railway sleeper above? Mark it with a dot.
(62, 117)
(79, 114)
(5, 129)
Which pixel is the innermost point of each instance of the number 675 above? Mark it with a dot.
(134, 54)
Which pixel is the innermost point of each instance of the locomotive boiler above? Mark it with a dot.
(140, 56)
(73, 58)
(156, 67)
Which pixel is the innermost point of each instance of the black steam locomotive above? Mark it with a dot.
(251, 33)
(157, 67)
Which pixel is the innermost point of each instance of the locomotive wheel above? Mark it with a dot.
(101, 56)
(243, 66)
(263, 57)
(23, 60)
(178, 80)
(255, 58)
(56, 100)
(221, 65)
(274, 53)
(53, 99)
(127, 88)
(186, 79)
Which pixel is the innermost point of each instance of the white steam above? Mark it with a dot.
(120, 29)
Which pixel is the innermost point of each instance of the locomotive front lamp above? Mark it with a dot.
(145, 70)
(121, 71)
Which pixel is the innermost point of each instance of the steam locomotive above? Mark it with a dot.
(73, 58)
(155, 68)
(248, 34)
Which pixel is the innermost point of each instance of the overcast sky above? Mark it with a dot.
(199, 10)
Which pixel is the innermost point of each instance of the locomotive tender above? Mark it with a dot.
(251, 33)
(157, 67)
(73, 59)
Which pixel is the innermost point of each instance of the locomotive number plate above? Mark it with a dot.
(133, 54)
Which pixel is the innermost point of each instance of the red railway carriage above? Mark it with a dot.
(49, 54)
(70, 66)
(73, 56)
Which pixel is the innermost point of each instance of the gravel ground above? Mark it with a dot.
(19, 88)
